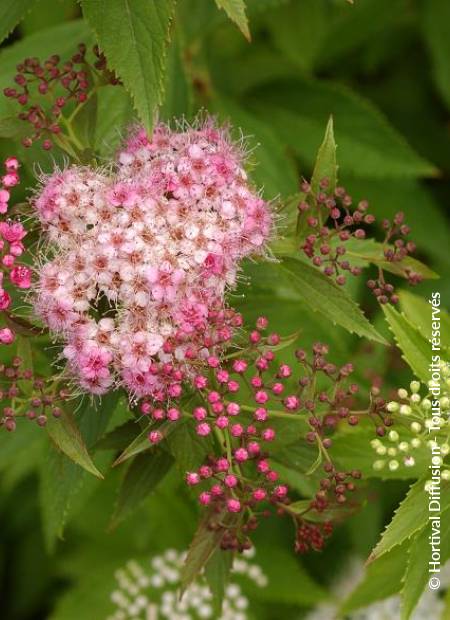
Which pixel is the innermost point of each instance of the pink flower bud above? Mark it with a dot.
(259, 495)
(192, 478)
(233, 409)
(241, 455)
(261, 397)
(222, 422)
(237, 430)
(260, 414)
(268, 434)
(6, 335)
(200, 414)
(155, 437)
(230, 481)
(240, 366)
(203, 429)
(205, 498)
(233, 505)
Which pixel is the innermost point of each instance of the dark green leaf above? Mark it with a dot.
(217, 572)
(66, 436)
(143, 475)
(321, 295)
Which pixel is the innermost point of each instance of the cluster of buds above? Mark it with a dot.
(414, 416)
(65, 83)
(333, 223)
(396, 250)
(27, 396)
(238, 484)
(11, 246)
(152, 592)
(312, 536)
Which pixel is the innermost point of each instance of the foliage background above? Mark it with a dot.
(382, 68)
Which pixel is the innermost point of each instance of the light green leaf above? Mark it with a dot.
(414, 346)
(235, 9)
(134, 36)
(436, 17)
(321, 295)
(375, 586)
(368, 145)
(11, 13)
(66, 436)
(418, 312)
(417, 575)
(409, 518)
(143, 475)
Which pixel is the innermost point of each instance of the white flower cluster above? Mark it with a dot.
(401, 445)
(148, 594)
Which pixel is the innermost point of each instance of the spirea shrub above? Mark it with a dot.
(121, 298)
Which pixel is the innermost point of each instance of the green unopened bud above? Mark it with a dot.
(415, 398)
(381, 450)
(375, 443)
(426, 404)
(445, 474)
(445, 449)
(416, 427)
(378, 465)
(416, 442)
(392, 406)
(393, 465)
(415, 386)
(405, 410)
(403, 446)
(445, 402)
(392, 451)
(393, 436)
(402, 393)
(409, 461)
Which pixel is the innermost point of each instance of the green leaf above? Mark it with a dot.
(11, 13)
(178, 99)
(418, 312)
(12, 127)
(62, 483)
(217, 572)
(369, 251)
(119, 437)
(298, 30)
(326, 166)
(436, 17)
(417, 575)
(321, 295)
(375, 586)
(235, 9)
(141, 443)
(143, 475)
(414, 346)
(25, 352)
(114, 112)
(188, 449)
(409, 518)
(134, 36)
(66, 436)
(205, 542)
(368, 145)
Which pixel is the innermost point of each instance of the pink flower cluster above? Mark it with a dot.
(11, 246)
(144, 255)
